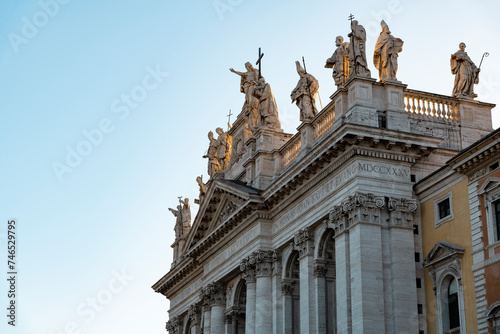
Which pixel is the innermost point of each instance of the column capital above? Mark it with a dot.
(320, 270)
(213, 294)
(401, 211)
(174, 325)
(286, 288)
(194, 314)
(304, 241)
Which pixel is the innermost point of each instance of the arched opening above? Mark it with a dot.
(239, 314)
(326, 257)
(291, 294)
(450, 311)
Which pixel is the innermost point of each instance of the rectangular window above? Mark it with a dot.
(496, 206)
(419, 283)
(415, 229)
(420, 309)
(444, 208)
(417, 257)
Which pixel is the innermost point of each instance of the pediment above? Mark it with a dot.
(223, 200)
(442, 251)
(490, 184)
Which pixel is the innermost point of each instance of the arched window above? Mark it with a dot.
(291, 294)
(450, 309)
(240, 300)
(326, 260)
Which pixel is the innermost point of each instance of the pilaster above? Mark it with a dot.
(248, 267)
(194, 314)
(277, 300)
(304, 243)
(320, 289)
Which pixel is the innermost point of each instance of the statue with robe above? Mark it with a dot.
(186, 216)
(466, 73)
(305, 93)
(249, 80)
(178, 221)
(385, 57)
(339, 61)
(357, 51)
(268, 110)
(203, 189)
(213, 163)
(224, 148)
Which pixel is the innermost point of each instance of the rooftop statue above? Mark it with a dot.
(386, 52)
(466, 73)
(224, 148)
(304, 94)
(268, 110)
(183, 218)
(357, 51)
(203, 189)
(178, 222)
(213, 163)
(249, 80)
(339, 61)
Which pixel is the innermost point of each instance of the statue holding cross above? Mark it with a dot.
(357, 50)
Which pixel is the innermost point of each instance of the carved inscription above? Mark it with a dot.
(193, 288)
(359, 168)
(238, 245)
(326, 189)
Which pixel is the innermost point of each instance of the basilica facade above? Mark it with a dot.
(321, 231)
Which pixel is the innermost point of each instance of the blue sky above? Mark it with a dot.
(93, 236)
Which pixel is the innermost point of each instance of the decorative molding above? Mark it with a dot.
(174, 326)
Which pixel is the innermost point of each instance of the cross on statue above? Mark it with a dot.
(351, 17)
(259, 62)
(229, 118)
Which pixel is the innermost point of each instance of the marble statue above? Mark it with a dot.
(357, 51)
(224, 148)
(186, 216)
(466, 73)
(339, 61)
(249, 81)
(268, 110)
(178, 222)
(213, 163)
(203, 189)
(304, 94)
(386, 52)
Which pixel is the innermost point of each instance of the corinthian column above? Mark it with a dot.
(248, 267)
(304, 242)
(264, 310)
(218, 305)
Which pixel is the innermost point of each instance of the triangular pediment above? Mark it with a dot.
(223, 200)
(442, 251)
(490, 184)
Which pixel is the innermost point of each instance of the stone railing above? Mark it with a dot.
(323, 121)
(291, 149)
(431, 106)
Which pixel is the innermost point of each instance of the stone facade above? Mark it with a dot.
(315, 232)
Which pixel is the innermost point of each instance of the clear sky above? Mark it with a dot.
(135, 86)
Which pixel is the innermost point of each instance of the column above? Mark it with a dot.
(404, 313)
(206, 319)
(287, 290)
(276, 291)
(218, 306)
(343, 283)
(248, 267)
(194, 314)
(263, 310)
(304, 242)
(320, 294)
